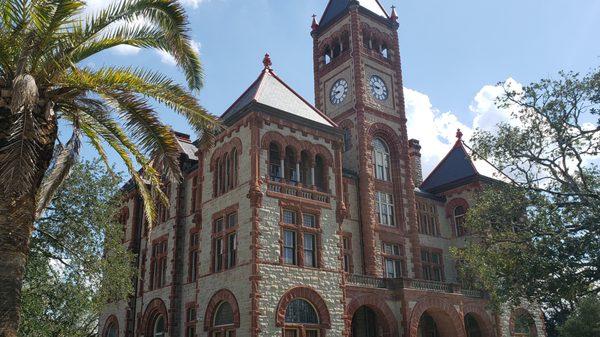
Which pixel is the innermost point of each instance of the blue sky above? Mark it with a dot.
(453, 54)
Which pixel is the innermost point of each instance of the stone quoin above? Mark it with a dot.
(304, 220)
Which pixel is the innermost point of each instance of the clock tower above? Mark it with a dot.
(358, 83)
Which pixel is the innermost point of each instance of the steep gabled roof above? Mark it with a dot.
(337, 7)
(271, 91)
(457, 167)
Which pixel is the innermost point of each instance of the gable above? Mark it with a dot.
(455, 167)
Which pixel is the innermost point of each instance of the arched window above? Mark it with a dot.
(274, 162)
(327, 55)
(364, 323)
(345, 41)
(291, 173)
(524, 325)
(303, 318)
(347, 139)
(459, 220)
(381, 160)
(226, 174)
(223, 324)
(472, 326)
(159, 326)
(305, 169)
(112, 330)
(234, 169)
(385, 52)
(320, 173)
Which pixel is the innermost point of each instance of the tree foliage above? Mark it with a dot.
(539, 235)
(77, 262)
(584, 321)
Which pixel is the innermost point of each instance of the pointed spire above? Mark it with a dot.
(394, 15)
(459, 136)
(314, 24)
(267, 62)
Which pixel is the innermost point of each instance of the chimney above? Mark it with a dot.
(414, 152)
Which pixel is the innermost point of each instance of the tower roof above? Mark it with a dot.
(455, 169)
(272, 92)
(337, 7)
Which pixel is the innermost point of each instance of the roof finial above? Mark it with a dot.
(459, 134)
(314, 25)
(394, 15)
(267, 61)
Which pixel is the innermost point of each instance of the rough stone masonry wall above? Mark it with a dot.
(235, 279)
(277, 279)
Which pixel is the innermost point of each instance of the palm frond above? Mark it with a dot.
(19, 156)
(64, 160)
(149, 208)
(150, 84)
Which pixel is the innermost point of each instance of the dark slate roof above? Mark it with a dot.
(337, 7)
(455, 168)
(270, 91)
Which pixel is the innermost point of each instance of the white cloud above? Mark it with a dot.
(125, 50)
(436, 129)
(167, 58)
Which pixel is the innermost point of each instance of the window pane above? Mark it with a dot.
(289, 217)
(291, 333)
(312, 333)
(300, 311)
(309, 220)
(224, 315)
(289, 247)
(232, 250)
(309, 250)
(231, 220)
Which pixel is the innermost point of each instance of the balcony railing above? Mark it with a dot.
(298, 191)
(367, 281)
(406, 283)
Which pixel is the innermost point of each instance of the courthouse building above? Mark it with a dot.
(305, 220)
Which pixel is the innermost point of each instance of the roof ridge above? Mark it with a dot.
(303, 99)
(259, 78)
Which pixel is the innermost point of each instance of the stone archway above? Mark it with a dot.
(478, 314)
(440, 317)
(371, 317)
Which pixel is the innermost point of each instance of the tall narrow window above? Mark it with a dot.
(194, 192)
(291, 174)
(427, 218)
(310, 244)
(432, 264)
(392, 258)
(225, 242)
(234, 169)
(190, 322)
(300, 238)
(347, 251)
(384, 206)
(158, 265)
(289, 247)
(274, 161)
(320, 173)
(381, 160)
(459, 220)
(193, 258)
(347, 139)
(231, 250)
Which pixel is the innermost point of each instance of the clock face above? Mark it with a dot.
(378, 88)
(339, 91)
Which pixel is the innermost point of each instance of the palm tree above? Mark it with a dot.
(42, 81)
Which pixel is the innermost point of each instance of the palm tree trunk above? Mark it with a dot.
(16, 227)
